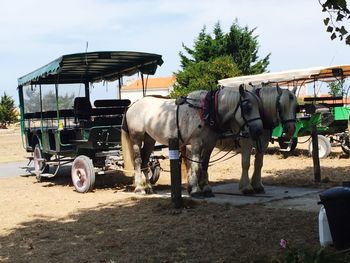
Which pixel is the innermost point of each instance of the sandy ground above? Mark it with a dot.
(50, 222)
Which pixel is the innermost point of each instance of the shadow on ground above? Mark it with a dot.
(150, 230)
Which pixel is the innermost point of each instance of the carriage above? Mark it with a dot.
(330, 114)
(60, 126)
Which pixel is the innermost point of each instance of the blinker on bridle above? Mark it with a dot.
(241, 105)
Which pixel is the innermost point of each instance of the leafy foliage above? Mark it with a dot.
(8, 113)
(218, 55)
(204, 75)
(337, 14)
(336, 88)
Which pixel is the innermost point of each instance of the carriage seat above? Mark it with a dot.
(82, 108)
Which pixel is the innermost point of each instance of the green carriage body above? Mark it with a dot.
(59, 135)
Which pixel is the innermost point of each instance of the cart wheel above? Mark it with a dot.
(324, 147)
(155, 171)
(345, 143)
(40, 166)
(83, 174)
(288, 146)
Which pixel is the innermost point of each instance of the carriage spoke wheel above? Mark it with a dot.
(155, 171)
(324, 147)
(39, 163)
(83, 174)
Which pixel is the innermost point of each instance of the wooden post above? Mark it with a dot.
(315, 155)
(175, 172)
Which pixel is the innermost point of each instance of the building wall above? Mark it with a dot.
(134, 95)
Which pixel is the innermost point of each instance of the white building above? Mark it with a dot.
(154, 86)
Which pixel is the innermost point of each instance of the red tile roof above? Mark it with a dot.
(151, 83)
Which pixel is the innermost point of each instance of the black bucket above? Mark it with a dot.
(336, 201)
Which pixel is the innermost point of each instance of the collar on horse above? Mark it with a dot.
(208, 110)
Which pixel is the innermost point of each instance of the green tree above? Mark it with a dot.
(204, 75)
(8, 113)
(338, 14)
(216, 56)
(336, 88)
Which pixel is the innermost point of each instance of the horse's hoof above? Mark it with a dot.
(140, 191)
(208, 194)
(149, 191)
(259, 190)
(248, 191)
(197, 195)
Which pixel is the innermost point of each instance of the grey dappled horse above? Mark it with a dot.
(278, 106)
(154, 119)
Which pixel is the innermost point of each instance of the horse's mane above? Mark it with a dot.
(268, 95)
(230, 98)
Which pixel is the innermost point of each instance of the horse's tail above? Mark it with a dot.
(184, 164)
(127, 149)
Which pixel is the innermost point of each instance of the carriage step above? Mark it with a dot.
(47, 175)
(30, 158)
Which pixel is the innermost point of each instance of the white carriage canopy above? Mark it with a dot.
(291, 78)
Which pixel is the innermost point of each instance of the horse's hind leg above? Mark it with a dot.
(146, 151)
(139, 180)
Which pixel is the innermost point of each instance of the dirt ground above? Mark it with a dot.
(50, 222)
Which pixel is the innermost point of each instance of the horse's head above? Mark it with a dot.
(286, 109)
(249, 118)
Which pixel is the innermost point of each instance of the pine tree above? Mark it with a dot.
(216, 56)
(8, 113)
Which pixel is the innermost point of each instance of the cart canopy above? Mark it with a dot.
(93, 67)
(291, 77)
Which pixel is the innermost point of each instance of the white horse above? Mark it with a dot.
(278, 106)
(194, 122)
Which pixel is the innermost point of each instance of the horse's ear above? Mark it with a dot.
(295, 90)
(241, 90)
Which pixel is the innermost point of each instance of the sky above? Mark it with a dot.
(33, 33)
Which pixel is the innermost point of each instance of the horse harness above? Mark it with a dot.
(208, 109)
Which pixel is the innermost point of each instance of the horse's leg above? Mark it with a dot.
(139, 180)
(204, 179)
(258, 163)
(244, 183)
(194, 173)
(146, 151)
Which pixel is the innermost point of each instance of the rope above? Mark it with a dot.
(213, 161)
(305, 141)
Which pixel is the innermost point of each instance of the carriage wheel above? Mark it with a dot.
(155, 171)
(324, 147)
(83, 174)
(288, 146)
(40, 165)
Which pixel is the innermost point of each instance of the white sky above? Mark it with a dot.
(33, 33)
